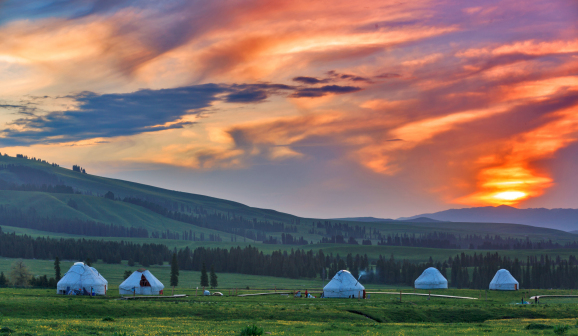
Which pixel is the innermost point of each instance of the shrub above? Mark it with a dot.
(108, 319)
(561, 329)
(538, 326)
(251, 331)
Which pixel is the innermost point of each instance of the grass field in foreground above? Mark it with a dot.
(41, 312)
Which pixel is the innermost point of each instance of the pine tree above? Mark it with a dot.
(214, 282)
(57, 269)
(204, 277)
(174, 271)
(3, 280)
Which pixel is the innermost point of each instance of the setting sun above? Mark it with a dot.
(510, 195)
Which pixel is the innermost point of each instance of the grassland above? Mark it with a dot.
(41, 312)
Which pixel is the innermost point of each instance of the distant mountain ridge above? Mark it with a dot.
(416, 219)
(560, 219)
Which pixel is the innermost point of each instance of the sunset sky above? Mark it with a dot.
(316, 108)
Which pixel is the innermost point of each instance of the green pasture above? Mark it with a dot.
(41, 312)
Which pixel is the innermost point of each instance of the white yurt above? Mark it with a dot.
(99, 275)
(431, 278)
(503, 280)
(141, 282)
(82, 280)
(343, 285)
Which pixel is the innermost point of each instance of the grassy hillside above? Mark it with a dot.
(100, 185)
(92, 206)
(98, 209)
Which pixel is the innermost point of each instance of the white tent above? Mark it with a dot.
(82, 279)
(431, 278)
(503, 280)
(141, 282)
(99, 275)
(343, 285)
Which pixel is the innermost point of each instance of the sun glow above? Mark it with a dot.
(510, 195)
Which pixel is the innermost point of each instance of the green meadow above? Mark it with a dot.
(30, 311)
(41, 312)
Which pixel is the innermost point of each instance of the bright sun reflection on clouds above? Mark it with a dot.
(510, 195)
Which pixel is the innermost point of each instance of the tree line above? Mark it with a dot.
(464, 270)
(24, 246)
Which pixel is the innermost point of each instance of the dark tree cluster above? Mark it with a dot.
(186, 235)
(487, 242)
(339, 239)
(79, 169)
(290, 240)
(329, 229)
(22, 156)
(24, 246)
(43, 282)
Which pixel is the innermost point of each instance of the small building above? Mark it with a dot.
(503, 280)
(82, 279)
(343, 285)
(141, 282)
(431, 278)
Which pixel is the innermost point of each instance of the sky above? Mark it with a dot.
(316, 108)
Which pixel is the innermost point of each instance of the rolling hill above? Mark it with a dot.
(560, 219)
(77, 196)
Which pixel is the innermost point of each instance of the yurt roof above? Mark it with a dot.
(342, 281)
(431, 276)
(503, 276)
(98, 273)
(81, 273)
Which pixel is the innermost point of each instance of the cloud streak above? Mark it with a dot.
(126, 114)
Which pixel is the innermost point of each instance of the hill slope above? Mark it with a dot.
(27, 175)
(176, 201)
(560, 219)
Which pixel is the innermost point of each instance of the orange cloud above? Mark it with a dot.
(511, 179)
